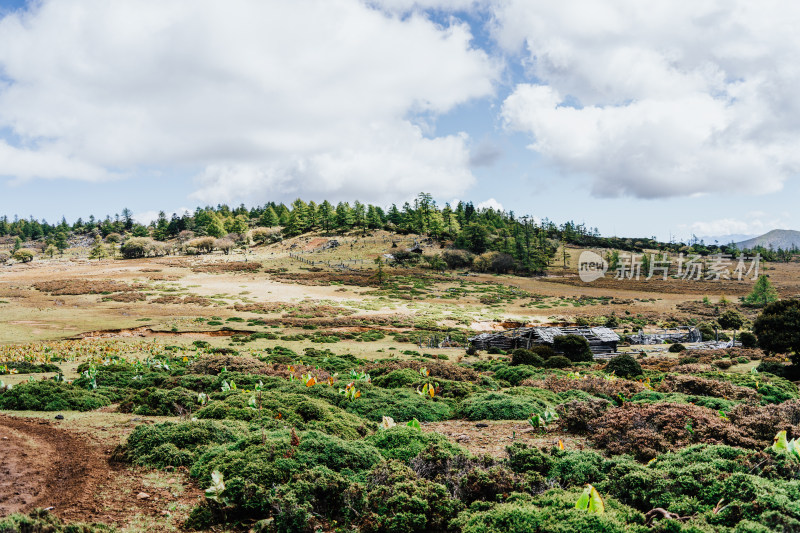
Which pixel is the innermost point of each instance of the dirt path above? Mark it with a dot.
(42, 465)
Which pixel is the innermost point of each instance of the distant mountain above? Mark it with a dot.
(777, 238)
(726, 239)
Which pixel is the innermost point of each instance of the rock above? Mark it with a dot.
(143, 496)
(463, 438)
(481, 425)
(59, 417)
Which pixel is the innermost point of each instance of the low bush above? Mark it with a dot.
(399, 501)
(707, 387)
(516, 374)
(624, 366)
(501, 406)
(577, 416)
(610, 389)
(276, 410)
(26, 367)
(159, 402)
(676, 348)
(772, 367)
(397, 379)
(573, 347)
(521, 356)
(40, 521)
(404, 443)
(437, 369)
(645, 430)
(748, 340)
(177, 444)
(558, 361)
(50, 396)
(551, 512)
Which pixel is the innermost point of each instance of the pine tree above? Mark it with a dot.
(326, 216)
(762, 294)
(269, 218)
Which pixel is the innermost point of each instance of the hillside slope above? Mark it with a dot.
(777, 238)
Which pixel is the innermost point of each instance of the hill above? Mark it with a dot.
(778, 238)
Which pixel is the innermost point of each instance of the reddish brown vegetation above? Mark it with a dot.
(708, 387)
(186, 300)
(233, 266)
(437, 369)
(646, 430)
(590, 384)
(64, 287)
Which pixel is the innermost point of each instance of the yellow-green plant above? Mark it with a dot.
(590, 501)
(780, 443)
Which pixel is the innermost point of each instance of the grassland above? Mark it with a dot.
(169, 369)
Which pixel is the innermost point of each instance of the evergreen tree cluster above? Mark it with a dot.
(531, 245)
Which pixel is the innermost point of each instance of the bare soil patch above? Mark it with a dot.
(42, 465)
(491, 437)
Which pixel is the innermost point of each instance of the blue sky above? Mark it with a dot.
(662, 120)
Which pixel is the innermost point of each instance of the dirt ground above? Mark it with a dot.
(43, 465)
(491, 437)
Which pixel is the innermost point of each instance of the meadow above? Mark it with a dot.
(290, 387)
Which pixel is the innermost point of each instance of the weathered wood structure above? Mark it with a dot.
(683, 334)
(601, 340)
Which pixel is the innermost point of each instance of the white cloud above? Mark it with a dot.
(753, 223)
(491, 203)
(661, 98)
(402, 6)
(21, 164)
(264, 99)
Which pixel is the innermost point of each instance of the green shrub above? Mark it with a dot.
(748, 340)
(677, 348)
(551, 512)
(398, 501)
(256, 464)
(516, 374)
(177, 444)
(624, 366)
(573, 347)
(558, 361)
(772, 367)
(545, 351)
(576, 468)
(397, 379)
(50, 396)
(521, 356)
(501, 406)
(40, 521)
(159, 402)
(26, 367)
(523, 459)
(375, 402)
(404, 443)
(279, 410)
(400, 404)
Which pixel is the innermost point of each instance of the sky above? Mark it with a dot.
(665, 118)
